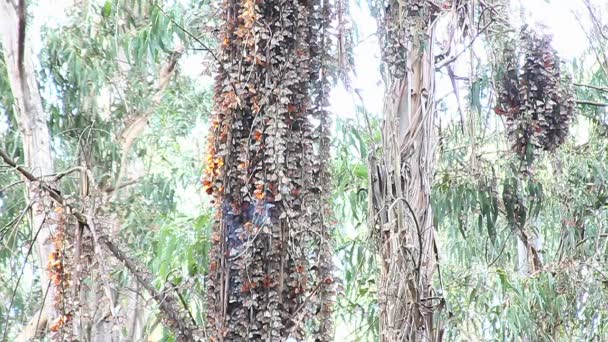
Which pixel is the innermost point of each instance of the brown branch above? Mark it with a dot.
(447, 61)
(174, 318)
(591, 103)
(52, 192)
(591, 86)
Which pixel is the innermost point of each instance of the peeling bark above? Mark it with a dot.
(402, 176)
(36, 138)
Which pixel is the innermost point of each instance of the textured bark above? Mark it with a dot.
(32, 122)
(321, 230)
(401, 177)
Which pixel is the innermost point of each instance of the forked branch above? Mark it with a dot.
(183, 327)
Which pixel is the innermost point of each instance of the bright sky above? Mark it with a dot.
(557, 15)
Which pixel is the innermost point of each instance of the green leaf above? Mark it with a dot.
(504, 281)
(107, 9)
(360, 171)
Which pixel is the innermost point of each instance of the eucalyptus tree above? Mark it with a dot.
(532, 154)
(36, 141)
(270, 275)
(401, 176)
(110, 71)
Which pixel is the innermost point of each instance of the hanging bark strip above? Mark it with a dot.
(271, 248)
(400, 179)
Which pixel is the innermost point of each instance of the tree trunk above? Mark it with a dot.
(401, 184)
(36, 143)
(269, 276)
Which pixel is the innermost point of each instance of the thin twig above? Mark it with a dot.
(184, 304)
(46, 293)
(591, 103)
(10, 305)
(591, 86)
(52, 192)
(455, 57)
(67, 172)
(121, 185)
(10, 186)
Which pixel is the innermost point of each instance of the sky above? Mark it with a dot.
(556, 15)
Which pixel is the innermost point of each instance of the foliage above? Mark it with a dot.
(99, 71)
(357, 314)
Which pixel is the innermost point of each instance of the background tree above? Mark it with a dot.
(98, 69)
(36, 145)
(106, 72)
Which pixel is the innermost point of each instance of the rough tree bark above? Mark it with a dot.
(400, 178)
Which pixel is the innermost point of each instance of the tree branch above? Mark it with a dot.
(591, 86)
(174, 318)
(52, 192)
(591, 103)
(138, 124)
(449, 60)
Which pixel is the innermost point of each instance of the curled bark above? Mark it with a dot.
(400, 179)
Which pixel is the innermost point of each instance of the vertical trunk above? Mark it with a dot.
(36, 145)
(529, 245)
(135, 313)
(402, 184)
(267, 281)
